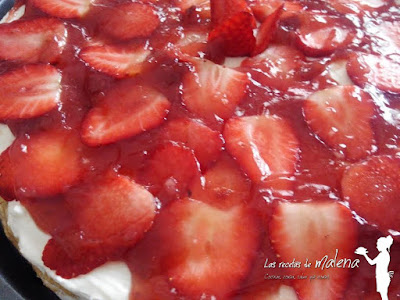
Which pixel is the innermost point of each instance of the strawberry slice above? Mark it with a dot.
(113, 210)
(321, 35)
(193, 43)
(193, 134)
(6, 177)
(126, 110)
(277, 67)
(267, 30)
(37, 40)
(372, 188)
(213, 91)
(29, 91)
(64, 8)
(377, 70)
(116, 61)
(328, 227)
(386, 36)
(58, 259)
(223, 185)
(341, 117)
(170, 171)
(46, 163)
(358, 6)
(264, 8)
(264, 146)
(129, 20)
(233, 25)
(200, 238)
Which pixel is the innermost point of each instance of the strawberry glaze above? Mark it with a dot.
(166, 165)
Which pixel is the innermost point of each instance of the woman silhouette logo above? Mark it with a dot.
(383, 276)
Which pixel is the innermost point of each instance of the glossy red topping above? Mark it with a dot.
(141, 138)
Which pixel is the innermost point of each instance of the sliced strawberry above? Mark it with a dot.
(358, 6)
(223, 185)
(234, 36)
(126, 110)
(341, 117)
(114, 210)
(264, 146)
(193, 43)
(264, 8)
(46, 163)
(232, 30)
(267, 30)
(116, 61)
(205, 142)
(202, 237)
(213, 91)
(57, 258)
(328, 227)
(170, 171)
(321, 35)
(29, 91)
(277, 67)
(7, 180)
(386, 36)
(64, 8)
(129, 20)
(37, 40)
(372, 188)
(376, 70)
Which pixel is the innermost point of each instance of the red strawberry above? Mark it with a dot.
(29, 91)
(7, 179)
(58, 259)
(341, 117)
(267, 30)
(277, 67)
(37, 40)
(223, 185)
(46, 163)
(113, 210)
(372, 188)
(205, 142)
(233, 25)
(386, 36)
(357, 6)
(321, 35)
(213, 91)
(264, 146)
(126, 110)
(64, 8)
(114, 60)
(202, 237)
(264, 8)
(129, 20)
(170, 170)
(193, 43)
(377, 70)
(309, 231)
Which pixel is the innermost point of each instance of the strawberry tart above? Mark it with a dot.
(201, 149)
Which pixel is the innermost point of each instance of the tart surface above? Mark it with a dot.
(186, 144)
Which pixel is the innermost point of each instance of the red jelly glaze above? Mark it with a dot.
(318, 171)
